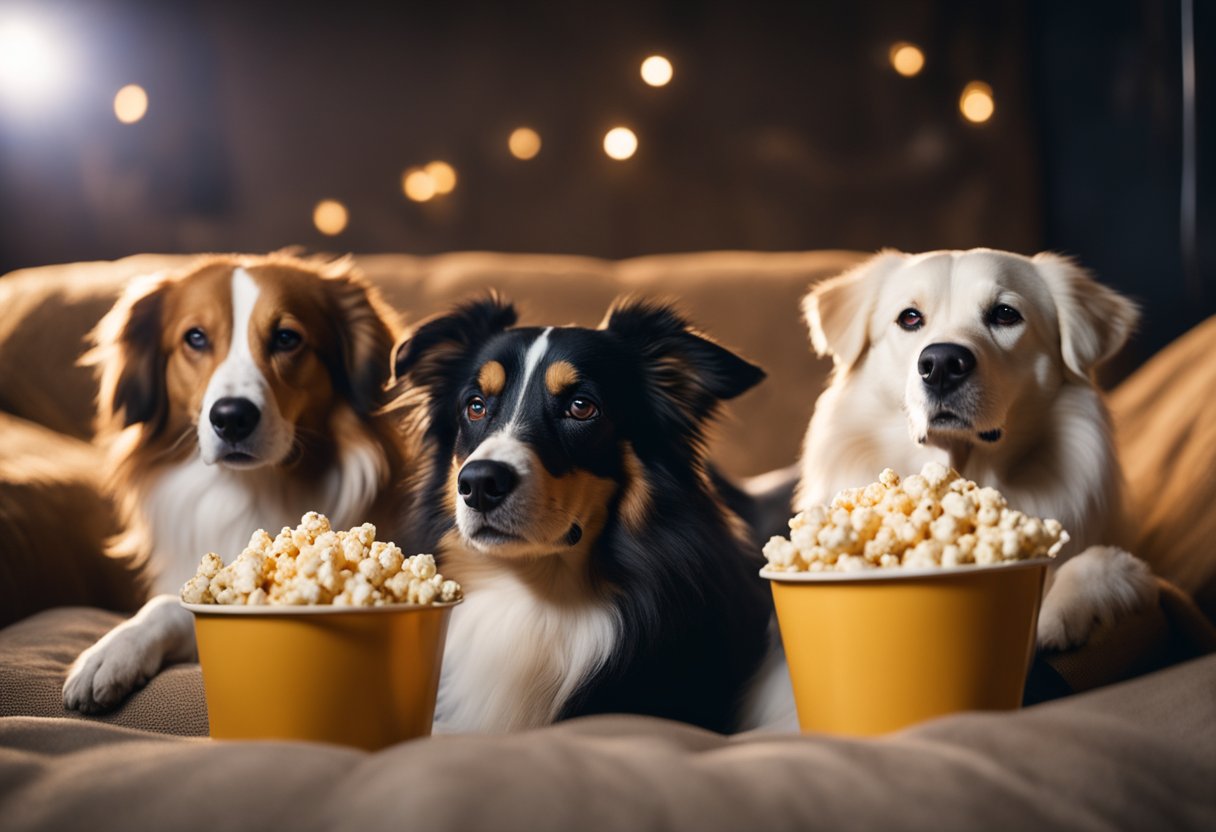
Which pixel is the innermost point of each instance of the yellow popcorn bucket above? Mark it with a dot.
(874, 651)
(361, 676)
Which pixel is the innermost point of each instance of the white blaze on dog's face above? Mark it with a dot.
(969, 344)
(239, 421)
(539, 460)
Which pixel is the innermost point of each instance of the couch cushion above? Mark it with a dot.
(747, 300)
(1141, 755)
(35, 654)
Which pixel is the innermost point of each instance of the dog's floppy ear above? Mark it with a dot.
(427, 354)
(366, 329)
(688, 373)
(1095, 321)
(838, 310)
(129, 359)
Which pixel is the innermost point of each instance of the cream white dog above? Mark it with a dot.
(983, 360)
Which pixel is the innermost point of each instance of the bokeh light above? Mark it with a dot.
(657, 71)
(976, 103)
(130, 103)
(30, 65)
(620, 143)
(418, 185)
(524, 143)
(330, 217)
(442, 175)
(907, 59)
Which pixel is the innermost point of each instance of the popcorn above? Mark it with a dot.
(198, 589)
(934, 518)
(317, 564)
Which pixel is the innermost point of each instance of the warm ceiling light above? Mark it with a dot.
(418, 185)
(656, 71)
(524, 143)
(131, 103)
(976, 102)
(620, 143)
(907, 59)
(442, 175)
(330, 217)
(29, 63)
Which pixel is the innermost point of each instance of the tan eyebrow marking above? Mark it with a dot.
(492, 378)
(559, 376)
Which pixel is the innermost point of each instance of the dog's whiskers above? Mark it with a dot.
(174, 446)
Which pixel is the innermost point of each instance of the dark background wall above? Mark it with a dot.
(785, 127)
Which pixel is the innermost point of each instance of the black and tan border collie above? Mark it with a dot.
(563, 482)
(236, 394)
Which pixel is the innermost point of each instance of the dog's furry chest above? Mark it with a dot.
(513, 657)
(193, 508)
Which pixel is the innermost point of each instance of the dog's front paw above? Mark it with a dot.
(105, 674)
(1089, 593)
(1063, 625)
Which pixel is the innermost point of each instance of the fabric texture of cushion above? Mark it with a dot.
(1141, 755)
(35, 654)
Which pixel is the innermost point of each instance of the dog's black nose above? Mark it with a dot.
(234, 419)
(483, 483)
(943, 367)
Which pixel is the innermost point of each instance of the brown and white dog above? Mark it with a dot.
(235, 395)
(983, 360)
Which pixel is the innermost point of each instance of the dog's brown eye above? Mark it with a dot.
(476, 409)
(1004, 315)
(583, 409)
(910, 319)
(285, 340)
(196, 339)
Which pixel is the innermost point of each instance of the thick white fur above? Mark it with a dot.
(1033, 382)
(198, 506)
(1089, 592)
(529, 632)
(194, 507)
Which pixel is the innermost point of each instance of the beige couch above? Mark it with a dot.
(1137, 754)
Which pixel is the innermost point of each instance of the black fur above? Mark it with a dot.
(694, 611)
(360, 373)
(686, 375)
(765, 503)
